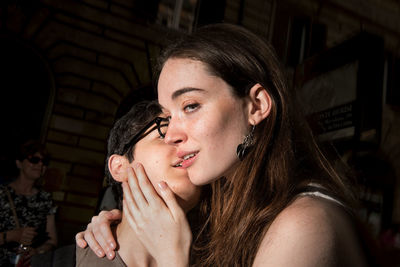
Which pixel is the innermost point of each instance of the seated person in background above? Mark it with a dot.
(27, 223)
(137, 138)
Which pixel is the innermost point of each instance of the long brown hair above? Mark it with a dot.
(284, 159)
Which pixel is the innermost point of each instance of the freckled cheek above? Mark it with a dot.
(204, 128)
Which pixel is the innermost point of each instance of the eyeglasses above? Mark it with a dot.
(36, 160)
(160, 126)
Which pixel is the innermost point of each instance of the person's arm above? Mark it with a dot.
(52, 232)
(20, 235)
(98, 234)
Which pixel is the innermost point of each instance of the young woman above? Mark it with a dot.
(276, 199)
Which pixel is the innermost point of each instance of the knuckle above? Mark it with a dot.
(94, 219)
(103, 227)
(87, 233)
(95, 231)
(89, 226)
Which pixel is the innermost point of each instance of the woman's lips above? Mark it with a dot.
(188, 162)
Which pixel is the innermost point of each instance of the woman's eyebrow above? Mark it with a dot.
(185, 90)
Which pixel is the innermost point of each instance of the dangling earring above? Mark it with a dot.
(244, 148)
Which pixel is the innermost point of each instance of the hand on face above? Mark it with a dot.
(159, 223)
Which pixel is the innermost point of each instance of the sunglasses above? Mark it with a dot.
(36, 160)
(161, 126)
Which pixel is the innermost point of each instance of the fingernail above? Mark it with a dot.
(100, 253)
(112, 245)
(162, 185)
(110, 255)
(81, 243)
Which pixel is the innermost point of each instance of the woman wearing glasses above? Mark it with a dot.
(27, 224)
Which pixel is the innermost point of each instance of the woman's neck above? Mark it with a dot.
(23, 186)
(131, 250)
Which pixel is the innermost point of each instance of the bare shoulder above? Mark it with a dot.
(311, 231)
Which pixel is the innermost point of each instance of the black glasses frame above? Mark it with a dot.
(137, 137)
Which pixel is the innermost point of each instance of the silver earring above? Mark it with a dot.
(244, 148)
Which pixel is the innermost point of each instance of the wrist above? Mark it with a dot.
(174, 259)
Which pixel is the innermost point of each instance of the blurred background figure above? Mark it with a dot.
(27, 226)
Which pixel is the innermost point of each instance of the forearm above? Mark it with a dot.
(51, 230)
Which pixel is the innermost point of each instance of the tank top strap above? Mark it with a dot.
(317, 190)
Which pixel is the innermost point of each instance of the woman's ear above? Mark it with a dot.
(117, 166)
(259, 105)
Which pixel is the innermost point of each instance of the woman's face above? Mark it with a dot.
(31, 170)
(207, 121)
(158, 159)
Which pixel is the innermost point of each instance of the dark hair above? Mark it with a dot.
(284, 159)
(29, 148)
(122, 132)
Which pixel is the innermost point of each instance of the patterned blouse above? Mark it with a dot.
(31, 210)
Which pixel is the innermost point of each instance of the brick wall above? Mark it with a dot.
(98, 52)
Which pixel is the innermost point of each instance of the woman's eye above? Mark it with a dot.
(191, 107)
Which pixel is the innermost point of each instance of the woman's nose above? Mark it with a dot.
(175, 133)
